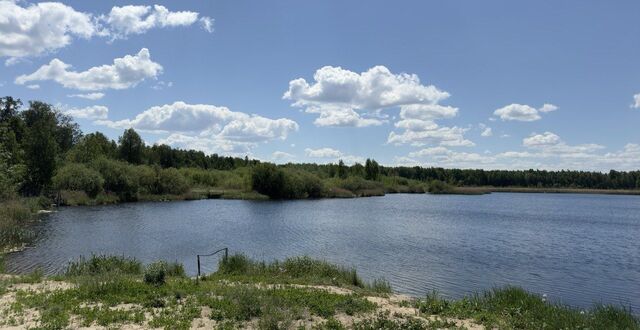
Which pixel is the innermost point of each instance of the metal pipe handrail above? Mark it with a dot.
(226, 254)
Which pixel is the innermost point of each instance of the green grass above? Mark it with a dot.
(515, 308)
(102, 284)
(103, 264)
(111, 291)
(296, 270)
(15, 217)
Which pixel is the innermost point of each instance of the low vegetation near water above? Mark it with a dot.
(296, 293)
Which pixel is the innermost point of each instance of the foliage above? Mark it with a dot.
(439, 187)
(14, 218)
(103, 264)
(371, 170)
(515, 308)
(92, 146)
(155, 273)
(131, 146)
(267, 179)
(171, 181)
(40, 148)
(119, 177)
(296, 270)
(78, 177)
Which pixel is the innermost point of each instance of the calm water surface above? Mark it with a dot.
(577, 249)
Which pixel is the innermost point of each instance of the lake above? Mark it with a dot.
(576, 249)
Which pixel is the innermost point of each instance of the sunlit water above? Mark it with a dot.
(577, 249)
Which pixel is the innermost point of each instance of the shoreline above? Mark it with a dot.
(486, 190)
(104, 292)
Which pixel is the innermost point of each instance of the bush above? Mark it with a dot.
(147, 178)
(170, 181)
(439, 187)
(119, 177)
(268, 180)
(155, 273)
(77, 177)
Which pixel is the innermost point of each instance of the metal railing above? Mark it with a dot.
(226, 254)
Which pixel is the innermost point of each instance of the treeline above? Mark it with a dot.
(43, 152)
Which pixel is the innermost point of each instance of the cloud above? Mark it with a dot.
(322, 153)
(333, 154)
(162, 85)
(34, 86)
(548, 108)
(207, 127)
(486, 130)
(541, 151)
(550, 143)
(346, 98)
(128, 20)
(45, 27)
(636, 100)
(88, 96)
(40, 28)
(124, 73)
(421, 133)
(521, 112)
(281, 155)
(91, 112)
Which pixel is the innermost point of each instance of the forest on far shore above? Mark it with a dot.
(44, 152)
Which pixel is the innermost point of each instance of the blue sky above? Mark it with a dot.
(413, 82)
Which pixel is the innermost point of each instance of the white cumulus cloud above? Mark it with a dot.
(346, 98)
(522, 112)
(636, 101)
(88, 96)
(281, 155)
(322, 153)
(124, 73)
(37, 29)
(40, 28)
(91, 112)
(207, 127)
(487, 132)
(123, 21)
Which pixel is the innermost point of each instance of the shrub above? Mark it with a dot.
(119, 177)
(439, 187)
(155, 273)
(170, 181)
(147, 178)
(78, 177)
(267, 179)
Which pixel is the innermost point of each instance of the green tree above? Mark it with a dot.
(40, 147)
(131, 146)
(342, 170)
(269, 180)
(91, 147)
(371, 170)
(68, 133)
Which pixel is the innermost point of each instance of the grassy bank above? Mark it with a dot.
(297, 293)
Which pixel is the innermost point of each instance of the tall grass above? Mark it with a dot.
(515, 308)
(298, 270)
(15, 216)
(103, 264)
